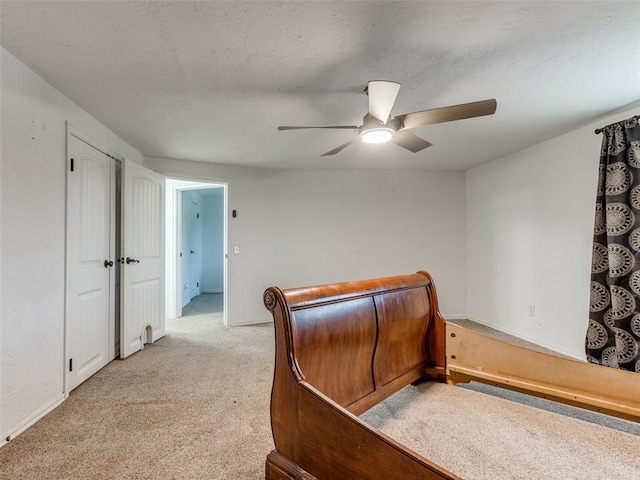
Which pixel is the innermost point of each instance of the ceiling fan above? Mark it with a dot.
(377, 127)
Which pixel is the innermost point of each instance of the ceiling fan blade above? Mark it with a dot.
(447, 114)
(341, 127)
(340, 148)
(410, 141)
(382, 96)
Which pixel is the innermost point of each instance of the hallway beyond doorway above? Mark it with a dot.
(205, 304)
(196, 244)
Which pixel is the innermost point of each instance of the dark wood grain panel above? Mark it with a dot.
(339, 338)
(351, 448)
(278, 467)
(403, 319)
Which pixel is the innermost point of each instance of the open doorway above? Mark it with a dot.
(196, 249)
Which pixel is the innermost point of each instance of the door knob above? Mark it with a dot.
(108, 263)
(131, 260)
(192, 251)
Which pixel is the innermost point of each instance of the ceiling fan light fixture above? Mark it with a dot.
(377, 135)
(378, 127)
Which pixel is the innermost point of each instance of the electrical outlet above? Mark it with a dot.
(531, 310)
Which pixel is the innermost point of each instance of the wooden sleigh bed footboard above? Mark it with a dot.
(340, 349)
(343, 348)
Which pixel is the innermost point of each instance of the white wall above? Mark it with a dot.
(298, 228)
(338, 226)
(32, 239)
(212, 222)
(529, 238)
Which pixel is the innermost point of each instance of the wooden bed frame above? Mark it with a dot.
(343, 348)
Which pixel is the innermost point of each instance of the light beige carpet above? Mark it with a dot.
(195, 405)
(481, 437)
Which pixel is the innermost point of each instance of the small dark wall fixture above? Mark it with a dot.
(234, 214)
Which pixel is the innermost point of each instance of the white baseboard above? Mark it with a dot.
(37, 416)
(455, 317)
(257, 322)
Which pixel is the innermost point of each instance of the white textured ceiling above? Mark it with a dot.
(211, 81)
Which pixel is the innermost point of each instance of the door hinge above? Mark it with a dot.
(72, 164)
(197, 215)
(180, 253)
(197, 284)
(71, 364)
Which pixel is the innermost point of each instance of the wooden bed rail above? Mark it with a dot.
(473, 356)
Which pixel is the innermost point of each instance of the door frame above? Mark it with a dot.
(189, 229)
(73, 132)
(173, 273)
(197, 265)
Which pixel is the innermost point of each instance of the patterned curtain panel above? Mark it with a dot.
(613, 336)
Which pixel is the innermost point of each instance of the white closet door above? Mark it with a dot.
(142, 283)
(90, 314)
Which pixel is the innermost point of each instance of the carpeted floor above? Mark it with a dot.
(483, 437)
(195, 405)
(210, 304)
